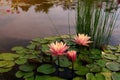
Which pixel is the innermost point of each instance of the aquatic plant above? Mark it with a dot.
(37, 62)
(96, 18)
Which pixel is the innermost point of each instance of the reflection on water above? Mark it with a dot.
(23, 20)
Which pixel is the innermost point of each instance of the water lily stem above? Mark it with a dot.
(72, 69)
(58, 65)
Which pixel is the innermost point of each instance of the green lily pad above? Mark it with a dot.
(21, 61)
(101, 62)
(118, 60)
(116, 75)
(46, 69)
(27, 68)
(109, 47)
(94, 68)
(64, 62)
(113, 66)
(78, 78)
(47, 78)
(30, 78)
(2, 70)
(45, 48)
(28, 74)
(3, 63)
(82, 71)
(91, 76)
(8, 56)
(9, 64)
(107, 75)
(109, 56)
(118, 50)
(19, 74)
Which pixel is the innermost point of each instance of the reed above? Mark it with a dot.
(97, 19)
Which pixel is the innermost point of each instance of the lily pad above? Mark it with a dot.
(2, 70)
(21, 61)
(27, 68)
(107, 75)
(46, 69)
(116, 75)
(91, 76)
(82, 71)
(78, 78)
(3, 63)
(9, 64)
(101, 62)
(109, 56)
(47, 78)
(8, 56)
(118, 60)
(64, 62)
(113, 66)
(94, 68)
(19, 74)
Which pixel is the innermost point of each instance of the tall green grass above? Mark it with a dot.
(97, 19)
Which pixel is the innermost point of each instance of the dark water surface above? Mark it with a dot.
(23, 20)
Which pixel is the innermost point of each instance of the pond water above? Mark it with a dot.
(23, 20)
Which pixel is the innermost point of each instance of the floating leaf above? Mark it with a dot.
(27, 68)
(19, 74)
(31, 46)
(82, 71)
(64, 62)
(8, 56)
(78, 78)
(109, 47)
(95, 53)
(101, 62)
(118, 50)
(2, 70)
(45, 48)
(99, 76)
(9, 64)
(107, 75)
(21, 61)
(47, 78)
(113, 66)
(118, 60)
(91, 76)
(109, 56)
(116, 75)
(46, 69)
(30, 78)
(28, 74)
(3, 63)
(94, 68)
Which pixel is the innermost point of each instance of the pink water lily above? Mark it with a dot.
(82, 39)
(72, 55)
(58, 48)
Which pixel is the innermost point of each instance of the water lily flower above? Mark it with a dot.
(58, 48)
(82, 39)
(72, 55)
